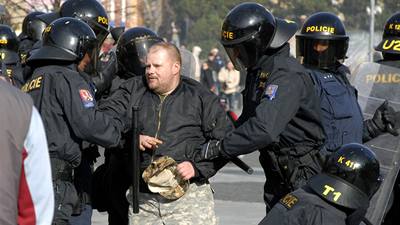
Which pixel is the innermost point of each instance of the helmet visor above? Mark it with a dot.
(132, 56)
(90, 47)
(243, 55)
(100, 31)
(322, 53)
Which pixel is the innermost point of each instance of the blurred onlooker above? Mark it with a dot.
(196, 53)
(229, 78)
(26, 190)
(209, 79)
(175, 35)
(215, 60)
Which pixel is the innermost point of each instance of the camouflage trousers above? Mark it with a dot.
(196, 207)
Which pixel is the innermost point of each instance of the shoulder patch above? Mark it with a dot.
(289, 201)
(270, 91)
(87, 98)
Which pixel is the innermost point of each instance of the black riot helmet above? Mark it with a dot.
(249, 30)
(8, 45)
(66, 40)
(33, 27)
(132, 48)
(322, 41)
(350, 177)
(389, 46)
(90, 11)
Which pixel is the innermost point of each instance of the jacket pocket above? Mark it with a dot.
(339, 100)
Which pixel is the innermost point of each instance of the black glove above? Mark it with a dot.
(106, 75)
(210, 150)
(384, 120)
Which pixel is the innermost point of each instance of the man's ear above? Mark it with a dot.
(176, 68)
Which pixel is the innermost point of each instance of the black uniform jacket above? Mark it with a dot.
(68, 109)
(188, 117)
(302, 207)
(283, 108)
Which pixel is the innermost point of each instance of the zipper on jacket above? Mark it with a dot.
(160, 106)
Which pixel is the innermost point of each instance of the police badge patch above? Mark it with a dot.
(87, 98)
(270, 91)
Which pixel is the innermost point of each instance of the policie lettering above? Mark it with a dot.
(320, 29)
(32, 85)
(102, 19)
(289, 201)
(383, 78)
(330, 190)
(227, 35)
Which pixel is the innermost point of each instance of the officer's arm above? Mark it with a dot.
(86, 122)
(118, 102)
(276, 109)
(215, 125)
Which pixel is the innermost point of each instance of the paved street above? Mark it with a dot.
(238, 196)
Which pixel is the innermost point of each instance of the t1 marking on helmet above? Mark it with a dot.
(47, 29)
(352, 165)
(3, 41)
(394, 45)
(102, 19)
(330, 190)
(228, 35)
(320, 29)
(383, 78)
(289, 201)
(394, 26)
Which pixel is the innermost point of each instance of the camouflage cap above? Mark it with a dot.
(162, 177)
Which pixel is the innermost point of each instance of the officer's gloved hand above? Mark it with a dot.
(106, 74)
(384, 120)
(210, 150)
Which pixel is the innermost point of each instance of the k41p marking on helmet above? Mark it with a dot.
(331, 191)
(352, 165)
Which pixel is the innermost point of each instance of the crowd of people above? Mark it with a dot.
(166, 134)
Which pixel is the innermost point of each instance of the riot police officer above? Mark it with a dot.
(322, 45)
(131, 52)
(32, 29)
(94, 14)
(10, 63)
(391, 57)
(339, 195)
(63, 95)
(280, 111)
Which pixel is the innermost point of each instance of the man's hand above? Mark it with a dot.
(147, 142)
(186, 170)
